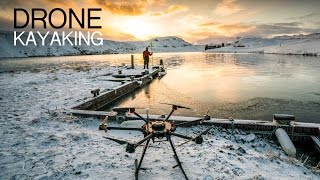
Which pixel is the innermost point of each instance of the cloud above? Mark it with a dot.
(171, 9)
(235, 28)
(176, 8)
(309, 16)
(156, 14)
(210, 23)
(308, 20)
(270, 30)
(124, 7)
(226, 8)
(6, 24)
(212, 29)
(291, 24)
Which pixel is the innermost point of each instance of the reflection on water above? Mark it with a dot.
(250, 86)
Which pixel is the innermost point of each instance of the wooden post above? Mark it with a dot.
(132, 62)
(161, 62)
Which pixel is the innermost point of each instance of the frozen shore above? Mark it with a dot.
(38, 142)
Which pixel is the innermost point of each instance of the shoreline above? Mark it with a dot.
(217, 52)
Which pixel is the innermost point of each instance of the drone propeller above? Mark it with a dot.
(133, 108)
(177, 106)
(190, 122)
(198, 136)
(206, 117)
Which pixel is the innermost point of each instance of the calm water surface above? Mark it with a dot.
(248, 86)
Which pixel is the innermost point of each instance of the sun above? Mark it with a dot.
(140, 28)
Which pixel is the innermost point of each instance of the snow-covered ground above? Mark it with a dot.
(297, 45)
(39, 143)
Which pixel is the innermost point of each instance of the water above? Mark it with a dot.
(247, 86)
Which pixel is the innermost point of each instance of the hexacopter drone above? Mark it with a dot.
(153, 129)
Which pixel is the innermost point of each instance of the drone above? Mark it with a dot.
(157, 129)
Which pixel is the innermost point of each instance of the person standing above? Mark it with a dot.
(146, 55)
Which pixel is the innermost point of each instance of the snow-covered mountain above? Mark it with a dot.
(167, 44)
(296, 44)
(161, 44)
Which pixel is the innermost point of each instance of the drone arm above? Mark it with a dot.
(116, 140)
(173, 109)
(126, 128)
(144, 139)
(206, 131)
(142, 118)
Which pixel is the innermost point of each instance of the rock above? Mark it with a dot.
(240, 149)
(238, 171)
(249, 138)
(208, 177)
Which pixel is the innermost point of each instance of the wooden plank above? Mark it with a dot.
(88, 113)
(107, 97)
(254, 126)
(247, 125)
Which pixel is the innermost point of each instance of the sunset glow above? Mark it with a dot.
(191, 20)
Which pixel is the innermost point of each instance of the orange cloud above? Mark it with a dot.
(156, 14)
(175, 8)
(227, 7)
(215, 29)
(210, 23)
(233, 29)
(124, 7)
(171, 9)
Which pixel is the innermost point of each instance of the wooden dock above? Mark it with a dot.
(89, 113)
(248, 125)
(113, 94)
(297, 131)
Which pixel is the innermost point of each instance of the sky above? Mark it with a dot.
(192, 20)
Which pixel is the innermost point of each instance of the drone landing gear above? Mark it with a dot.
(131, 148)
(177, 158)
(138, 166)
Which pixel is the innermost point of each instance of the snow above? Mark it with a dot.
(162, 44)
(39, 143)
(167, 44)
(296, 45)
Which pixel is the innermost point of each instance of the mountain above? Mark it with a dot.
(160, 44)
(296, 44)
(166, 44)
